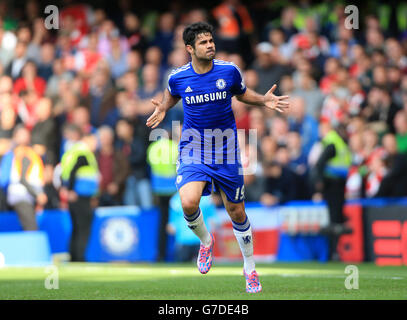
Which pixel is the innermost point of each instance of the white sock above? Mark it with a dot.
(196, 223)
(243, 234)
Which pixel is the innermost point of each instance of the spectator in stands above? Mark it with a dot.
(313, 97)
(134, 62)
(87, 59)
(30, 88)
(329, 178)
(279, 129)
(7, 125)
(394, 77)
(400, 124)
(80, 179)
(59, 73)
(8, 118)
(334, 107)
(279, 182)
(24, 34)
(151, 82)
(154, 56)
(394, 182)
(15, 67)
(162, 156)
(25, 109)
(241, 115)
(22, 170)
(165, 34)
(101, 98)
(109, 36)
(374, 39)
(341, 50)
(151, 88)
(8, 41)
(133, 33)
(71, 133)
(6, 85)
(128, 109)
(282, 51)
(117, 57)
(287, 21)
(357, 170)
(30, 81)
(75, 19)
(80, 116)
(357, 97)
(370, 141)
(268, 70)
(114, 169)
(380, 110)
(129, 83)
(251, 79)
(253, 174)
(133, 142)
(235, 28)
(403, 88)
(45, 65)
(65, 51)
(302, 66)
(377, 170)
(256, 118)
(331, 69)
(301, 122)
(394, 52)
(314, 45)
(44, 137)
(65, 103)
(50, 189)
(298, 165)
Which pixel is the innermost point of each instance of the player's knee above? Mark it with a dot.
(237, 213)
(189, 205)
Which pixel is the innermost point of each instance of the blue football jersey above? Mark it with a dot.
(209, 130)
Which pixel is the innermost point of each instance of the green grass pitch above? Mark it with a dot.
(184, 282)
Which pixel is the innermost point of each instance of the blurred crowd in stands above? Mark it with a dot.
(97, 74)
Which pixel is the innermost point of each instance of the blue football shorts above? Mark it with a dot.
(227, 177)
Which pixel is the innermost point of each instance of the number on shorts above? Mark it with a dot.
(239, 193)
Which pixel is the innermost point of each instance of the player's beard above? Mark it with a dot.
(207, 57)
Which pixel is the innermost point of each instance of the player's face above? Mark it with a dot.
(204, 47)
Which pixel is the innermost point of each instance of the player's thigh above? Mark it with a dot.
(236, 211)
(190, 194)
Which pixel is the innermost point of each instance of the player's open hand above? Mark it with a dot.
(155, 119)
(274, 102)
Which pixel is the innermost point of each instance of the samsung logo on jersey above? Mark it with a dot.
(200, 98)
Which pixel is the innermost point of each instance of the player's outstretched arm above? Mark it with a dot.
(161, 109)
(270, 100)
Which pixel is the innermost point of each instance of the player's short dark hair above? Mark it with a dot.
(193, 30)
